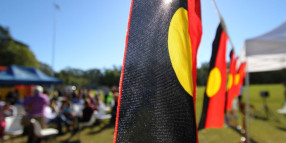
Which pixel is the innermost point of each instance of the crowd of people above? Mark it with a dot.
(65, 109)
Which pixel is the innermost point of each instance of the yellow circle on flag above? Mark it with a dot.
(230, 81)
(236, 81)
(180, 49)
(214, 82)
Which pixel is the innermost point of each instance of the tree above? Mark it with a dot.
(94, 76)
(72, 76)
(268, 77)
(15, 52)
(202, 74)
(111, 77)
(47, 69)
(91, 78)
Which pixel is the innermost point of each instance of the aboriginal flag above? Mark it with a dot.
(158, 77)
(214, 98)
(236, 88)
(230, 83)
(241, 72)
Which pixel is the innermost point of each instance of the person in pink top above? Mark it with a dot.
(36, 104)
(35, 107)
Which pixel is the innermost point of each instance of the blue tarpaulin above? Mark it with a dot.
(18, 75)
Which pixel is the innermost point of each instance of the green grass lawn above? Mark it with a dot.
(102, 133)
(262, 131)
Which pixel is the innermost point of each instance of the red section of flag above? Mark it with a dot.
(241, 72)
(215, 113)
(195, 32)
(121, 77)
(236, 81)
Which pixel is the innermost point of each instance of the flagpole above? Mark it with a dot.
(247, 75)
(223, 23)
(247, 110)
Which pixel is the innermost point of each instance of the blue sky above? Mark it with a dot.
(91, 33)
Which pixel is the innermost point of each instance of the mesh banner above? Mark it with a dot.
(155, 103)
(214, 98)
(241, 72)
(231, 81)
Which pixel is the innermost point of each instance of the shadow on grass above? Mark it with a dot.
(67, 141)
(99, 126)
(106, 126)
(70, 140)
(239, 132)
(272, 118)
(281, 128)
(260, 118)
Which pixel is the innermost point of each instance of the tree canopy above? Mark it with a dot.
(91, 78)
(255, 78)
(15, 52)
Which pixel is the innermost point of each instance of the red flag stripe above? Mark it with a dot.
(195, 32)
(122, 75)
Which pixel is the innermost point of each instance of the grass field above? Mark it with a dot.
(262, 131)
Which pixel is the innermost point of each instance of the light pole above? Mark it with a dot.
(57, 8)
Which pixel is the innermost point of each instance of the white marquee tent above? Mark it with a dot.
(263, 53)
(266, 52)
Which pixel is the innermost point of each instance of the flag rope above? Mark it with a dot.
(223, 23)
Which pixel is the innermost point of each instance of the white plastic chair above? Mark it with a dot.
(42, 133)
(13, 126)
(101, 114)
(90, 122)
(20, 110)
(14, 110)
(86, 124)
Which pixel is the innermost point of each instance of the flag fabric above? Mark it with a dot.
(236, 88)
(214, 97)
(158, 77)
(230, 94)
(241, 72)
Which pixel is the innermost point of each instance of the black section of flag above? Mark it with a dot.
(154, 106)
(215, 47)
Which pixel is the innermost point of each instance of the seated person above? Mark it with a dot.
(3, 113)
(51, 111)
(67, 110)
(87, 112)
(65, 116)
(91, 101)
(78, 100)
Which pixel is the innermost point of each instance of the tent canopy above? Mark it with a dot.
(266, 52)
(18, 75)
(263, 53)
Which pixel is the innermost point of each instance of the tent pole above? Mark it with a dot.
(247, 106)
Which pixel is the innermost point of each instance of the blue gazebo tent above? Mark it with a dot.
(18, 75)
